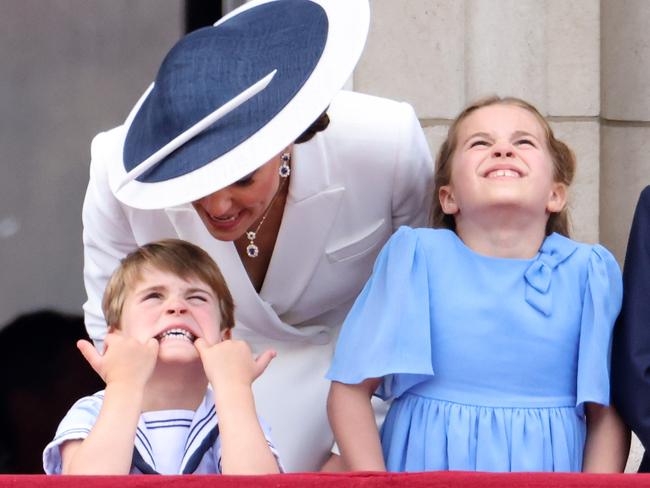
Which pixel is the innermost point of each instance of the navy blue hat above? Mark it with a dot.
(228, 98)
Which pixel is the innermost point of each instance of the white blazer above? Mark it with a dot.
(351, 186)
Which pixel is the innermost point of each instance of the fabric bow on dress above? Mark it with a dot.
(555, 250)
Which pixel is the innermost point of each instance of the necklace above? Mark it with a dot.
(252, 251)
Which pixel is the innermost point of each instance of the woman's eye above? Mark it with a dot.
(478, 142)
(245, 181)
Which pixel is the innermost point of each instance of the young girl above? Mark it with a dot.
(492, 331)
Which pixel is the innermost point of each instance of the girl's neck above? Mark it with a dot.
(175, 387)
(502, 236)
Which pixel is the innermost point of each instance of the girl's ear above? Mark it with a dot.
(557, 198)
(226, 334)
(447, 200)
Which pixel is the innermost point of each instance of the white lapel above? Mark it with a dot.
(312, 205)
(250, 309)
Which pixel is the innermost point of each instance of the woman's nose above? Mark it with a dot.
(217, 203)
(502, 150)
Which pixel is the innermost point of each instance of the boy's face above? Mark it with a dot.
(173, 311)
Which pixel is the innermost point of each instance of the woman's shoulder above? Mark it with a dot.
(368, 117)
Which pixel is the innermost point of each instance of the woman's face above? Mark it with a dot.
(231, 211)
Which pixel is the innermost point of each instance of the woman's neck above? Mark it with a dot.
(175, 387)
(257, 267)
(503, 235)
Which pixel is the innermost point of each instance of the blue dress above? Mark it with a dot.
(489, 361)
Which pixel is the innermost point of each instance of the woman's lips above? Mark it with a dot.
(224, 223)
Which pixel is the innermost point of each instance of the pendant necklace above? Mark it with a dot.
(252, 251)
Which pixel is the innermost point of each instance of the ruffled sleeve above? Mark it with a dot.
(601, 305)
(387, 333)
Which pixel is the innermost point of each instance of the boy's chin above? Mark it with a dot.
(175, 354)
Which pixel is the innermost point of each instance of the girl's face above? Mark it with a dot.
(231, 211)
(501, 162)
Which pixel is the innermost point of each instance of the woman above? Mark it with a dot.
(223, 151)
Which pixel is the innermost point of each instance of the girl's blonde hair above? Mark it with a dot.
(564, 164)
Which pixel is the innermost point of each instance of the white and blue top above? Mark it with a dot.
(166, 441)
(489, 360)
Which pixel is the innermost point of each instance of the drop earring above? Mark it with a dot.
(285, 169)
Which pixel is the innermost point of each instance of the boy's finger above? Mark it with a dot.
(90, 354)
(200, 344)
(152, 344)
(263, 361)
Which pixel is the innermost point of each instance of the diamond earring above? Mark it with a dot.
(285, 169)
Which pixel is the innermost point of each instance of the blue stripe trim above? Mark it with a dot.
(169, 426)
(145, 442)
(199, 425)
(141, 464)
(194, 460)
(151, 422)
(72, 431)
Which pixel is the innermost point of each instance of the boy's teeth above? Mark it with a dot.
(177, 334)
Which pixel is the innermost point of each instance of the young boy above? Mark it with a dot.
(170, 315)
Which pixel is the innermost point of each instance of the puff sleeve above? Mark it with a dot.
(601, 304)
(387, 332)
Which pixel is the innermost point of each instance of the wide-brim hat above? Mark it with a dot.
(229, 97)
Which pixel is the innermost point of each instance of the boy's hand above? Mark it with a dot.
(125, 359)
(232, 362)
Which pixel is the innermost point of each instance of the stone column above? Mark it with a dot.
(440, 55)
(625, 163)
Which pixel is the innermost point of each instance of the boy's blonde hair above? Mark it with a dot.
(564, 164)
(175, 256)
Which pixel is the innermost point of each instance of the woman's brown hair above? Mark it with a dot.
(564, 164)
(319, 125)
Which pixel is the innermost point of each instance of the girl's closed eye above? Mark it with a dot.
(525, 142)
(479, 143)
